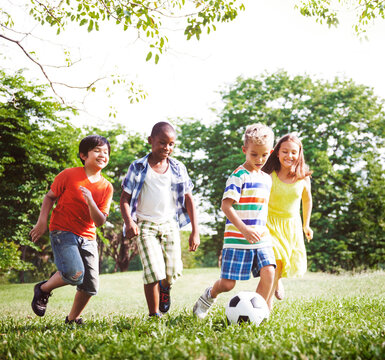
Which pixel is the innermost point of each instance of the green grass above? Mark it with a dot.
(323, 317)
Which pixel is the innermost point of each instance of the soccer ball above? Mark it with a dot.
(247, 306)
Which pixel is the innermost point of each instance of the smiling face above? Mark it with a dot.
(96, 158)
(256, 155)
(288, 154)
(162, 144)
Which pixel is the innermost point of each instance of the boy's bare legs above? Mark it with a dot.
(151, 291)
(222, 285)
(53, 282)
(81, 300)
(266, 282)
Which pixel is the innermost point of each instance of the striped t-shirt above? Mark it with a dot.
(250, 191)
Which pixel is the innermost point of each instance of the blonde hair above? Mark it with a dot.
(259, 134)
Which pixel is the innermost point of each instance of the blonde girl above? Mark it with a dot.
(291, 184)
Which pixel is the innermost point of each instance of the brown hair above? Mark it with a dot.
(299, 170)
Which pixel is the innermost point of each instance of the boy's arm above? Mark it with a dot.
(307, 205)
(132, 229)
(251, 235)
(41, 226)
(194, 239)
(96, 215)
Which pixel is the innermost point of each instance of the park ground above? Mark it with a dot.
(323, 317)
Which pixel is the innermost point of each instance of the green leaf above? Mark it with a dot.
(149, 55)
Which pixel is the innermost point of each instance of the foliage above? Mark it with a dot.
(144, 16)
(341, 127)
(324, 317)
(36, 143)
(365, 11)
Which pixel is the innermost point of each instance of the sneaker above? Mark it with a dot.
(164, 298)
(155, 315)
(76, 321)
(40, 299)
(202, 306)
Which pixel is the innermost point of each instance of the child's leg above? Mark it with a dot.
(81, 300)
(222, 285)
(53, 282)
(277, 276)
(265, 285)
(151, 291)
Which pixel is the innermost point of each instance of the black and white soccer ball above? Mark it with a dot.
(247, 306)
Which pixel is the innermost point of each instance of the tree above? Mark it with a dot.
(36, 143)
(341, 125)
(365, 12)
(148, 19)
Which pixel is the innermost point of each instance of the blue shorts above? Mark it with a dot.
(77, 260)
(237, 264)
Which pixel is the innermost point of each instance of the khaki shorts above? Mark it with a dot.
(160, 251)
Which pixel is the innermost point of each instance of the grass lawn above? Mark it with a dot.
(322, 317)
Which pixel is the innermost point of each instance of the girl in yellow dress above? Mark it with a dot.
(291, 184)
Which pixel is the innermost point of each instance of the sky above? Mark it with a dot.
(268, 36)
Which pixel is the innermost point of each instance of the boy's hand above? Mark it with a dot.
(193, 242)
(38, 230)
(132, 230)
(308, 233)
(251, 235)
(86, 194)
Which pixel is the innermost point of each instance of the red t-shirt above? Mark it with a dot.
(71, 212)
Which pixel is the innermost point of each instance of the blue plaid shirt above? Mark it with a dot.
(181, 184)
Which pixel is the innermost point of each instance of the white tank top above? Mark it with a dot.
(156, 202)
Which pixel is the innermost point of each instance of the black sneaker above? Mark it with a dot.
(76, 321)
(40, 299)
(164, 298)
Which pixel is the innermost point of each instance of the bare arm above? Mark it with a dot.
(307, 205)
(194, 239)
(131, 226)
(96, 215)
(251, 235)
(41, 226)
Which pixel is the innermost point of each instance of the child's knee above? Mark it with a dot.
(74, 277)
(268, 272)
(227, 284)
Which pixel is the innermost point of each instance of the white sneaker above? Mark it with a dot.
(203, 304)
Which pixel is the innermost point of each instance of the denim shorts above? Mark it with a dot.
(237, 264)
(77, 260)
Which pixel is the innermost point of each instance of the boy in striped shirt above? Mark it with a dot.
(247, 244)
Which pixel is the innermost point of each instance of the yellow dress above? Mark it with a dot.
(285, 226)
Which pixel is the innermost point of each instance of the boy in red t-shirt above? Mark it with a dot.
(83, 201)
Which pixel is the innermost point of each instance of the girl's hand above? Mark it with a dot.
(251, 235)
(308, 233)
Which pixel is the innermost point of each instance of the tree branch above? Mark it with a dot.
(34, 61)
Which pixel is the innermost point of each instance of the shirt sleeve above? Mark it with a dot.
(233, 188)
(128, 181)
(58, 185)
(104, 207)
(188, 185)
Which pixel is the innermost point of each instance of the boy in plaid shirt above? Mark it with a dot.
(156, 200)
